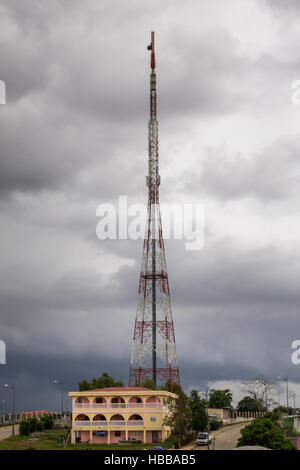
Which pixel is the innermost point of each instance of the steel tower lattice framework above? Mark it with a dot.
(153, 349)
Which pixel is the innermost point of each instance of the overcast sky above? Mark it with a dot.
(73, 135)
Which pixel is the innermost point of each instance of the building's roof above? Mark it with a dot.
(120, 389)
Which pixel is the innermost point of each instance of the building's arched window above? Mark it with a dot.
(82, 417)
(153, 402)
(135, 418)
(117, 420)
(135, 401)
(117, 402)
(99, 418)
(99, 400)
(82, 400)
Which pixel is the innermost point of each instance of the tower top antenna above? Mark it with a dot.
(151, 48)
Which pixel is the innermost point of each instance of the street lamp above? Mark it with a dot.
(1, 404)
(13, 387)
(61, 383)
(294, 395)
(285, 379)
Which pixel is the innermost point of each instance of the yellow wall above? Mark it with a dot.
(145, 413)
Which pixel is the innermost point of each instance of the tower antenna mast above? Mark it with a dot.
(153, 353)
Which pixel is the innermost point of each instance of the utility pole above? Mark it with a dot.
(286, 380)
(294, 396)
(61, 383)
(13, 387)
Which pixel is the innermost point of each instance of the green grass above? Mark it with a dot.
(52, 440)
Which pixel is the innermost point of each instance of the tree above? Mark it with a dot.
(173, 387)
(258, 388)
(47, 421)
(180, 417)
(104, 381)
(148, 383)
(220, 398)
(32, 424)
(24, 428)
(264, 432)
(248, 404)
(198, 411)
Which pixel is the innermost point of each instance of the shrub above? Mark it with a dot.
(264, 432)
(24, 429)
(171, 441)
(32, 424)
(47, 421)
(214, 425)
(39, 426)
(28, 426)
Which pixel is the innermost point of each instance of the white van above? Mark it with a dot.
(204, 438)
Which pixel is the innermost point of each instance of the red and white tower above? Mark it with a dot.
(153, 349)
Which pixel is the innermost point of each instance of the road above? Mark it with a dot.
(6, 431)
(225, 439)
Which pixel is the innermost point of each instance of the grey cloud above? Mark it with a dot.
(268, 176)
(73, 135)
(77, 109)
(288, 6)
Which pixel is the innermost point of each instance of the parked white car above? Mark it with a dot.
(204, 439)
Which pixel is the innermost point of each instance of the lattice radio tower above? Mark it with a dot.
(153, 349)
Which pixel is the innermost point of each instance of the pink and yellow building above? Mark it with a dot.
(110, 415)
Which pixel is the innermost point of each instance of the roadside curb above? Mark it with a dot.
(224, 428)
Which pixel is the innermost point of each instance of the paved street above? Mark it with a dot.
(5, 431)
(225, 439)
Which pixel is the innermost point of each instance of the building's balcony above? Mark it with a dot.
(108, 406)
(135, 423)
(107, 424)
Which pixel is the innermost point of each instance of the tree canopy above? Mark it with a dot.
(180, 417)
(198, 411)
(258, 388)
(220, 398)
(104, 381)
(248, 404)
(174, 387)
(265, 432)
(148, 383)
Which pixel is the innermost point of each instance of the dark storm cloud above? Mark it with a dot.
(241, 292)
(74, 135)
(222, 274)
(76, 94)
(32, 374)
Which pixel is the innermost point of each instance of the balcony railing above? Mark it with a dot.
(95, 406)
(139, 422)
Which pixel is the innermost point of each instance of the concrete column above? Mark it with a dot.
(73, 437)
(126, 434)
(108, 437)
(91, 433)
(144, 436)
